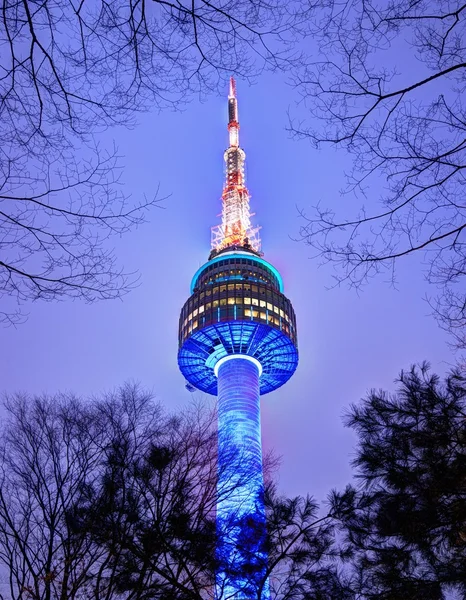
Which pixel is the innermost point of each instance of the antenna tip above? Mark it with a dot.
(232, 88)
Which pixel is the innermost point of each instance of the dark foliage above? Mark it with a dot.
(404, 526)
(153, 512)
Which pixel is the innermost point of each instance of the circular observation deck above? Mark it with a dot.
(237, 307)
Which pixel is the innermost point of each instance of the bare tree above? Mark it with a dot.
(70, 69)
(56, 216)
(74, 65)
(47, 459)
(403, 124)
(51, 456)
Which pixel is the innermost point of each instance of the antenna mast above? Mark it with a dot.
(235, 230)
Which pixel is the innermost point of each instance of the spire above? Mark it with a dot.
(235, 229)
(233, 125)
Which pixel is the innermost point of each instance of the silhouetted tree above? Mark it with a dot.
(71, 69)
(155, 518)
(404, 525)
(388, 86)
(115, 499)
(303, 560)
(56, 216)
(152, 515)
(69, 66)
(52, 451)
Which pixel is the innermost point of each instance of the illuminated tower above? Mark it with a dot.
(237, 340)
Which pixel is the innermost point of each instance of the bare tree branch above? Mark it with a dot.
(73, 68)
(411, 135)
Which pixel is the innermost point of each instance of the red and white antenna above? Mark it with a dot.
(233, 124)
(235, 230)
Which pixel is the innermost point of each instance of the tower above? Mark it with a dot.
(237, 340)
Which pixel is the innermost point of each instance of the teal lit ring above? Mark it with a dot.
(242, 255)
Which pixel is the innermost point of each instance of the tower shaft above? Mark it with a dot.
(240, 508)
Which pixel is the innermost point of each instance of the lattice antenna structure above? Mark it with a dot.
(235, 230)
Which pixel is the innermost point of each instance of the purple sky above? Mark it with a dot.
(347, 343)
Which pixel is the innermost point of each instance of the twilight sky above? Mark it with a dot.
(348, 343)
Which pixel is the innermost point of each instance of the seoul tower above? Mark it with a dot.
(237, 341)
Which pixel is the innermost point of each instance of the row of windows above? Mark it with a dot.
(279, 312)
(237, 291)
(237, 266)
(230, 261)
(231, 301)
(235, 273)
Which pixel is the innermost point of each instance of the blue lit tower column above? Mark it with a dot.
(237, 340)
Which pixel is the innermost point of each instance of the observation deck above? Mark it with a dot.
(237, 307)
